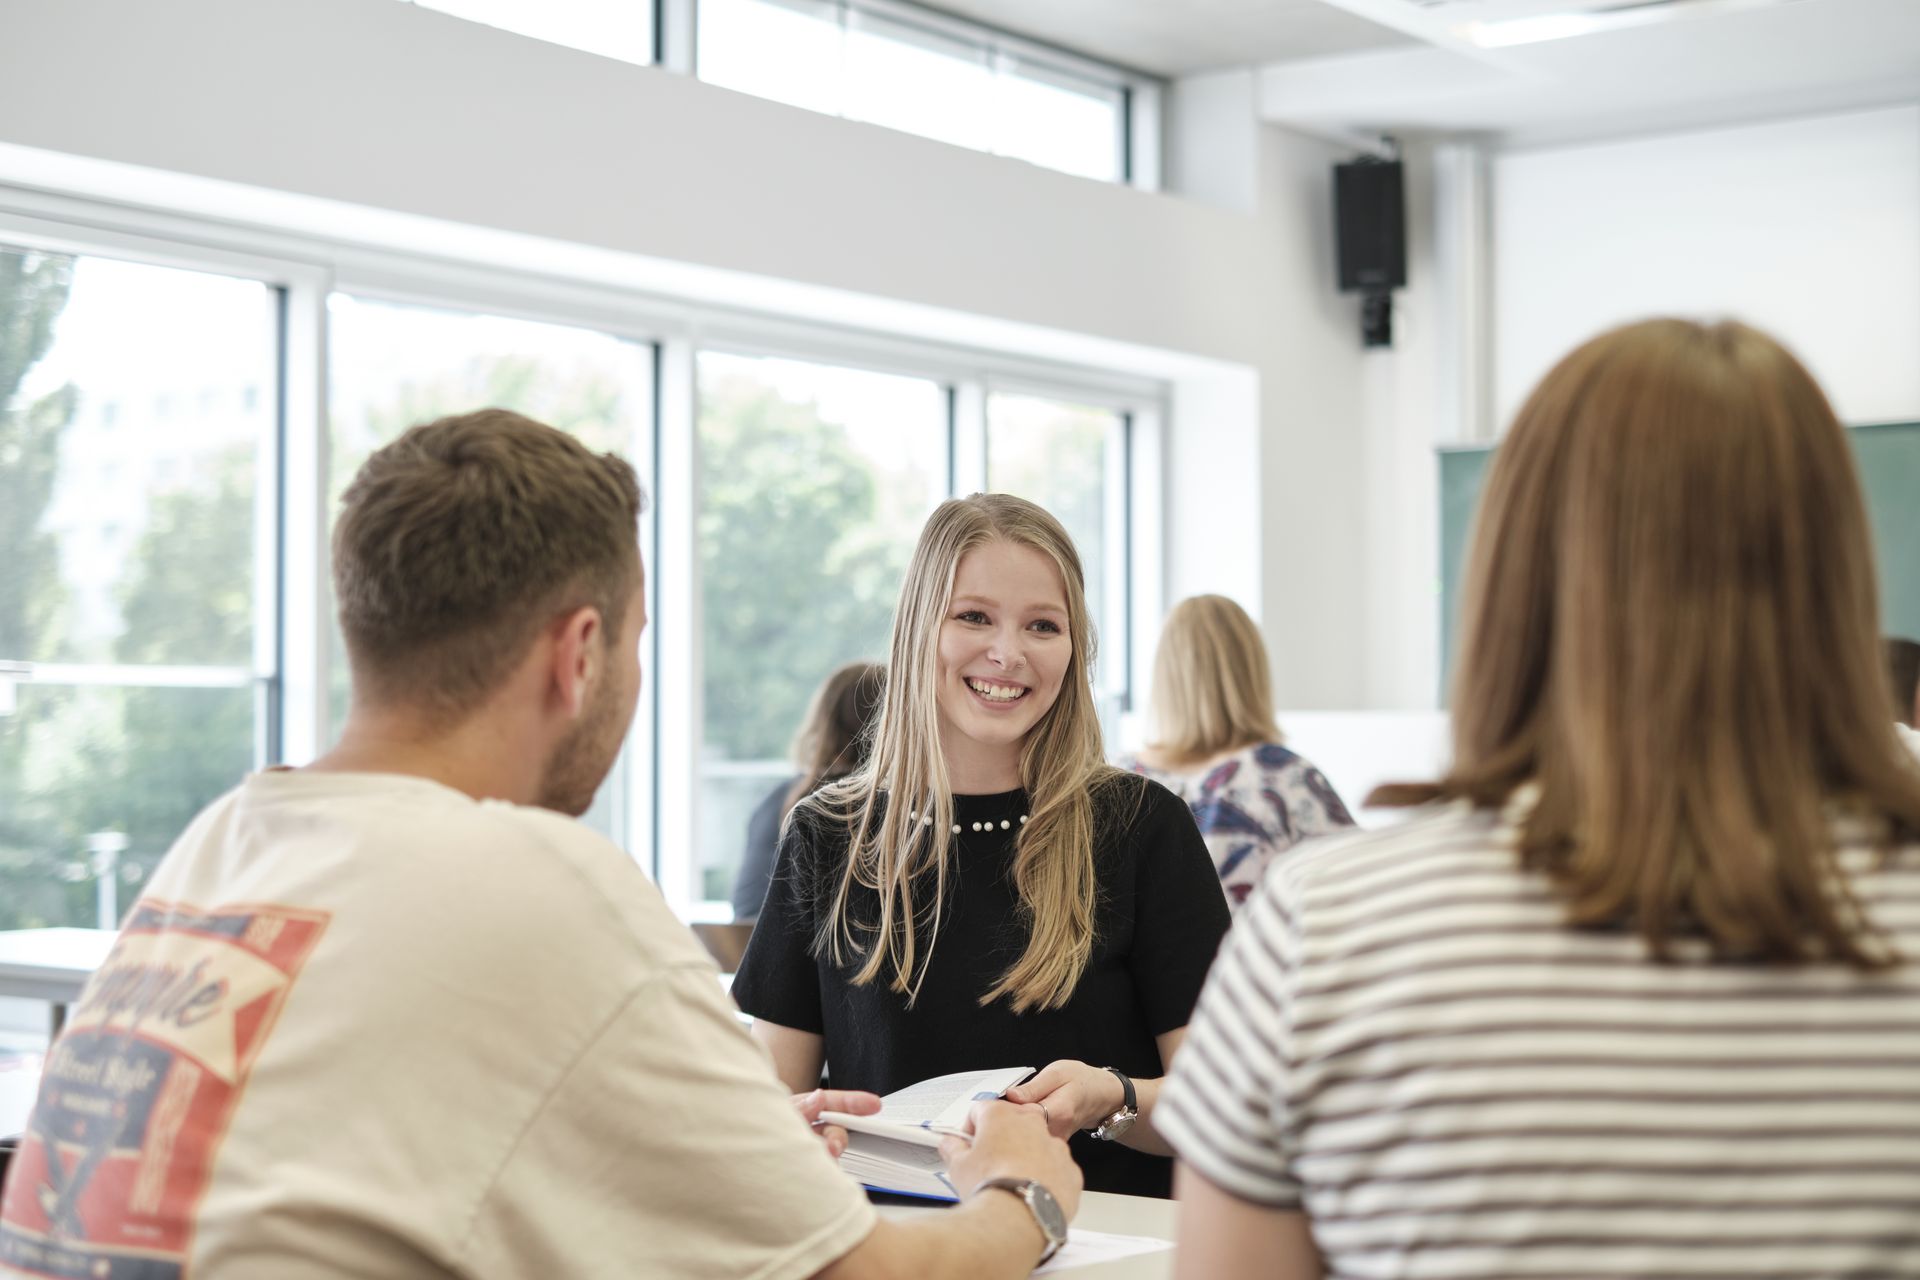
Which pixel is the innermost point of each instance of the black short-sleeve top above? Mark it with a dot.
(1159, 918)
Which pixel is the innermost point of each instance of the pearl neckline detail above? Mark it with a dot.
(926, 820)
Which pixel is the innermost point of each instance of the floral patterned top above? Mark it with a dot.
(1253, 806)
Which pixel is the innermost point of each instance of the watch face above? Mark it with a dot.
(1047, 1210)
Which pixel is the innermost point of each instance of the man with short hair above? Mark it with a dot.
(393, 1015)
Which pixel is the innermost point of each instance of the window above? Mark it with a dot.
(1071, 459)
(620, 29)
(162, 618)
(131, 632)
(1060, 121)
(396, 365)
(926, 73)
(813, 482)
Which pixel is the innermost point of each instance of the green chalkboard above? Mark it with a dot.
(1889, 457)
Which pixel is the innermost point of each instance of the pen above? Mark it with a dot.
(944, 1130)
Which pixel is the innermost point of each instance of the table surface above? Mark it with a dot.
(1103, 1211)
(51, 964)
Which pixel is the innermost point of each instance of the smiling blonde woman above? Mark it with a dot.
(985, 891)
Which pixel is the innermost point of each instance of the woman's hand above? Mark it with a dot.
(847, 1101)
(1071, 1095)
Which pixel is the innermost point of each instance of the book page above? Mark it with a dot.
(881, 1127)
(945, 1100)
(920, 1111)
(886, 1165)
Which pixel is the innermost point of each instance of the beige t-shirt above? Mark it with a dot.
(363, 1025)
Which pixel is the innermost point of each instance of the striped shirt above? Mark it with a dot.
(1404, 1040)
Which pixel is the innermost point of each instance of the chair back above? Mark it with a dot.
(726, 943)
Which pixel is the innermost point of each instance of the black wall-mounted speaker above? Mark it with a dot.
(1370, 226)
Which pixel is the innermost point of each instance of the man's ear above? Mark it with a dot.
(577, 658)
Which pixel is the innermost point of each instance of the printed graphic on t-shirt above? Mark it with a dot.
(138, 1091)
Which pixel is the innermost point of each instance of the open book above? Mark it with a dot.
(897, 1149)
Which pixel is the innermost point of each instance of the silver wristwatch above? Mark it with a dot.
(1122, 1120)
(1046, 1211)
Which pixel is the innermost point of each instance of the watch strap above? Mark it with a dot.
(1111, 1129)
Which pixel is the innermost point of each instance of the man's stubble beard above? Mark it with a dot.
(581, 760)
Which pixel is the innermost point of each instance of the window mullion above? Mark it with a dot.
(1115, 646)
(644, 742)
(676, 35)
(968, 468)
(1146, 551)
(679, 676)
(115, 675)
(305, 623)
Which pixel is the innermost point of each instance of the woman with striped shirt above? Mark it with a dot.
(1638, 992)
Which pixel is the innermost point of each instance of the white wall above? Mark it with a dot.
(1808, 228)
(1313, 484)
(395, 107)
(1402, 418)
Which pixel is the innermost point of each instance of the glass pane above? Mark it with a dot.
(814, 482)
(844, 60)
(919, 83)
(620, 29)
(1053, 123)
(1056, 454)
(394, 366)
(787, 50)
(133, 400)
(112, 772)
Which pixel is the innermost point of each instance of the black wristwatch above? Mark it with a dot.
(1122, 1120)
(1046, 1211)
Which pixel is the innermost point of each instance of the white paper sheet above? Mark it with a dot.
(1089, 1248)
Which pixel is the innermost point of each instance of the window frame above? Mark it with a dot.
(267, 670)
(1116, 668)
(661, 756)
(280, 697)
(458, 287)
(653, 41)
(1138, 106)
(970, 380)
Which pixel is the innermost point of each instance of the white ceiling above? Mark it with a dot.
(1357, 68)
(1178, 37)
(1714, 62)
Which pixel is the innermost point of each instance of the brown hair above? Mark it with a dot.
(1903, 669)
(459, 540)
(834, 738)
(1212, 690)
(1671, 628)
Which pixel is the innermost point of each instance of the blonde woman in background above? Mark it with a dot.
(1219, 749)
(1635, 993)
(986, 891)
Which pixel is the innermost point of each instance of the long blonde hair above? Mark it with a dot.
(1212, 690)
(1671, 627)
(1062, 767)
